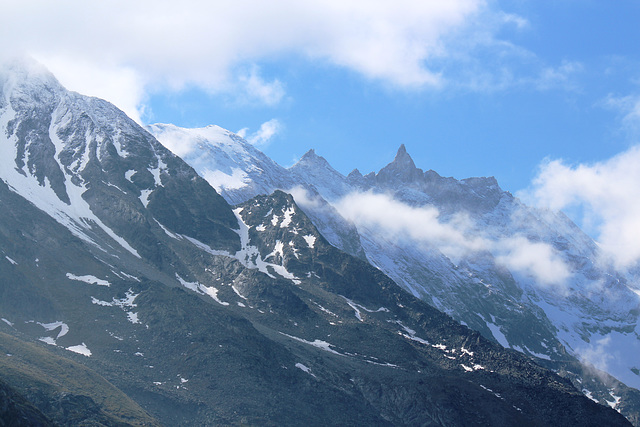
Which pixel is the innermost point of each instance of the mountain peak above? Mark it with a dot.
(25, 72)
(311, 158)
(403, 158)
(402, 168)
(309, 155)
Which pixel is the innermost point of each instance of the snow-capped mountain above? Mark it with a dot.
(527, 278)
(131, 293)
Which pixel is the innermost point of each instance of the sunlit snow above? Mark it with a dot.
(64, 329)
(201, 289)
(92, 280)
(323, 345)
(133, 317)
(250, 257)
(288, 213)
(80, 349)
(311, 240)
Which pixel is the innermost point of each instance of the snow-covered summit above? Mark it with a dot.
(72, 156)
(231, 165)
(26, 75)
(316, 172)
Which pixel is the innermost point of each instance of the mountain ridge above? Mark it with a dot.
(206, 313)
(508, 305)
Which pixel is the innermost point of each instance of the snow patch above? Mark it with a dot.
(213, 293)
(64, 329)
(588, 394)
(144, 197)
(127, 301)
(80, 349)
(411, 334)
(357, 307)
(48, 340)
(128, 174)
(133, 317)
(287, 217)
(167, 232)
(92, 280)
(616, 400)
(305, 369)
(323, 345)
(201, 289)
(238, 292)
(311, 240)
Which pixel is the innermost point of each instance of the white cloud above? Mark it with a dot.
(399, 221)
(262, 136)
(456, 238)
(629, 108)
(146, 45)
(121, 85)
(535, 259)
(562, 76)
(518, 21)
(256, 89)
(607, 194)
(598, 354)
(304, 199)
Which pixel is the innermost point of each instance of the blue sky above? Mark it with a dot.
(538, 93)
(504, 127)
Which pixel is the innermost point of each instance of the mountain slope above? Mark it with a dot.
(526, 278)
(116, 255)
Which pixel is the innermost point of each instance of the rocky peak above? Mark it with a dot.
(311, 159)
(355, 174)
(403, 158)
(401, 169)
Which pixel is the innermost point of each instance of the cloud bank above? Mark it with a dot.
(603, 197)
(121, 50)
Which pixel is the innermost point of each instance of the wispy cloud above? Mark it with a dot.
(607, 195)
(597, 354)
(256, 89)
(536, 259)
(263, 136)
(456, 237)
(629, 109)
(562, 76)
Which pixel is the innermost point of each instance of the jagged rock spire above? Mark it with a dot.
(402, 168)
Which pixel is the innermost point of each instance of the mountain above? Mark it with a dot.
(526, 278)
(132, 293)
